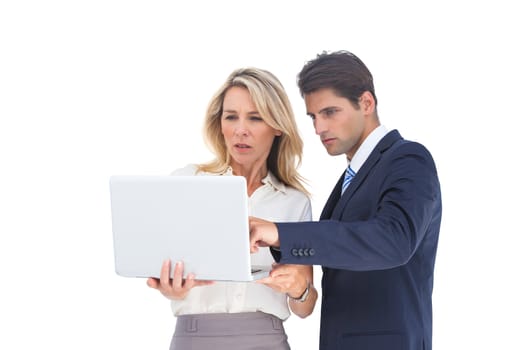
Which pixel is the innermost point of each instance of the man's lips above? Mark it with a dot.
(328, 140)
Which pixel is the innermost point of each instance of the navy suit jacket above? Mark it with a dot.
(377, 245)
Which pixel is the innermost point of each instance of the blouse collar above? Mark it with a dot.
(270, 179)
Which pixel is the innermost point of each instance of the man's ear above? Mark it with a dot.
(367, 102)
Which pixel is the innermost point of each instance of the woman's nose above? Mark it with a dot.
(241, 129)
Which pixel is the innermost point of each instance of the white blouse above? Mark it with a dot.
(274, 202)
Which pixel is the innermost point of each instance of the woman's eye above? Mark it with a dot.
(230, 117)
(256, 118)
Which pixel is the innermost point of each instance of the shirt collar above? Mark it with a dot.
(367, 147)
(274, 182)
(270, 179)
(228, 171)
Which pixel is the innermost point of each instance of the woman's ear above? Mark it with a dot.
(278, 133)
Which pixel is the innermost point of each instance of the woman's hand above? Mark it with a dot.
(176, 288)
(289, 279)
(293, 280)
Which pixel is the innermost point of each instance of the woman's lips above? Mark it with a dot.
(242, 147)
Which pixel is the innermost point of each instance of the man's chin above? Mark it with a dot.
(333, 151)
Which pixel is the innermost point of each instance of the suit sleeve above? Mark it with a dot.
(305, 215)
(400, 206)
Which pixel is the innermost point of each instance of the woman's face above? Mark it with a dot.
(248, 138)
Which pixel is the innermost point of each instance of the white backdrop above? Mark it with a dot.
(90, 89)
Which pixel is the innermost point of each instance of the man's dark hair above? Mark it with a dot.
(341, 71)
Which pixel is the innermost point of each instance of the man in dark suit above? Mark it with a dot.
(378, 233)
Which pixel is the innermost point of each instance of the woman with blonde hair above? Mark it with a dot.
(274, 108)
(250, 127)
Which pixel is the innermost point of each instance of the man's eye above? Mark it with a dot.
(330, 112)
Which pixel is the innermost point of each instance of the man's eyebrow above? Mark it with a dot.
(326, 109)
(323, 110)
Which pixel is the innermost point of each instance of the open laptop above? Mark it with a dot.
(200, 220)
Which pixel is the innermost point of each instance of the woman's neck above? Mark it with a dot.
(253, 174)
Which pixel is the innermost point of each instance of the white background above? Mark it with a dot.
(90, 89)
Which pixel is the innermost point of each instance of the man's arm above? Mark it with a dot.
(398, 217)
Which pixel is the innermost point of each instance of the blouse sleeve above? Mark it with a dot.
(306, 214)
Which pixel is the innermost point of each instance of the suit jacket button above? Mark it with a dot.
(311, 252)
(294, 252)
(306, 252)
(301, 252)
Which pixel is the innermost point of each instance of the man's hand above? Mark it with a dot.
(262, 234)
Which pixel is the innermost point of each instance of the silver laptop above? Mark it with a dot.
(200, 220)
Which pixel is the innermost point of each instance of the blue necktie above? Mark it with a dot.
(349, 175)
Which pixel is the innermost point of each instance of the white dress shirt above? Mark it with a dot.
(274, 202)
(367, 147)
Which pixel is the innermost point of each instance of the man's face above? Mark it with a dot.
(341, 127)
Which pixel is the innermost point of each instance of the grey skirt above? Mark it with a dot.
(246, 331)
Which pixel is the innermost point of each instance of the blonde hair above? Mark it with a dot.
(275, 109)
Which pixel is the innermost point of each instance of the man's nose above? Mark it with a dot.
(319, 126)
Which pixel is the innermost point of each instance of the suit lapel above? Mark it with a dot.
(333, 199)
(338, 202)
